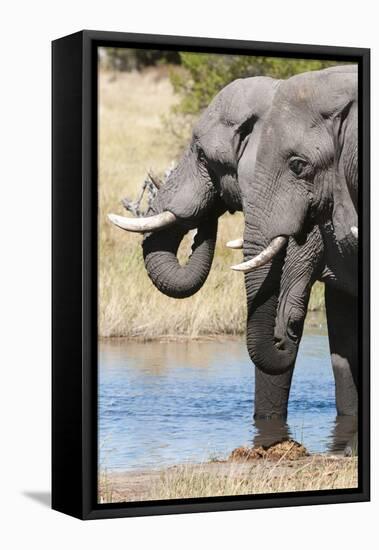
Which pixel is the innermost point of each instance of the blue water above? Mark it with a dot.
(163, 403)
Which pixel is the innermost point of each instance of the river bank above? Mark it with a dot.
(315, 322)
(226, 478)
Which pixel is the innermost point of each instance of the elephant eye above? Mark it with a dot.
(298, 166)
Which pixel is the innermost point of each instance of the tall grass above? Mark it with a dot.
(314, 473)
(133, 140)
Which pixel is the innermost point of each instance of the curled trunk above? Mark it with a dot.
(278, 295)
(263, 290)
(261, 321)
(304, 264)
(162, 265)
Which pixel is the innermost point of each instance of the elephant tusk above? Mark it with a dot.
(354, 231)
(264, 257)
(237, 243)
(143, 225)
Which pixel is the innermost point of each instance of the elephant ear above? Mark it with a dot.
(342, 110)
(225, 128)
(226, 125)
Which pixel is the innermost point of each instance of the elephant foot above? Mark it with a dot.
(351, 448)
(344, 438)
(270, 430)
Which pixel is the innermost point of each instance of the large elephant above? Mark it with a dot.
(202, 187)
(301, 225)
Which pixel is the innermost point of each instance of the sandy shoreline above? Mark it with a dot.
(222, 478)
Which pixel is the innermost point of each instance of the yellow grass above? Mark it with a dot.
(133, 139)
(315, 473)
(312, 475)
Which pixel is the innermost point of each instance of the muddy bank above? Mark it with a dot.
(246, 471)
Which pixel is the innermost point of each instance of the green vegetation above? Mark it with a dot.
(201, 76)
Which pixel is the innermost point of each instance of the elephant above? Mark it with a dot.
(301, 225)
(202, 187)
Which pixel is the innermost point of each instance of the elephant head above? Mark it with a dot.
(202, 187)
(302, 196)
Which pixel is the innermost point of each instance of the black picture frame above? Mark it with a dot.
(74, 314)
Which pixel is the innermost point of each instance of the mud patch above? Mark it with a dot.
(289, 449)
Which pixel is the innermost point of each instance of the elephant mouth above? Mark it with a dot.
(289, 325)
(294, 329)
(163, 228)
(288, 340)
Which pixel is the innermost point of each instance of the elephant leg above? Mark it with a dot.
(271, 401)
(344, 438)
(342, 318)
(271, 395)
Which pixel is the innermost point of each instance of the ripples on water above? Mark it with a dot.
(163, 403)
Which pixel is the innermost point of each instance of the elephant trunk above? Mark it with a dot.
(263, 290)
(162, 265)
(304, 264)
(278, 294)
(263, 348)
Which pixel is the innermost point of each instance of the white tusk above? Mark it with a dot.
(354, 231)
(264, 257)
(143, 225)
(237, 243)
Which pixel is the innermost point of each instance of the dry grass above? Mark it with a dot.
(316, 301)
(106, 492)
(315, 473)
(132, 140)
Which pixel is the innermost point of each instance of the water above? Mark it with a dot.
(164, 403)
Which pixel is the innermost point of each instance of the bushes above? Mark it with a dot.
(129, 59)
(201, 76)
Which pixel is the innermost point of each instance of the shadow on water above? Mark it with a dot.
(164, 403)
(268, 432)
(341, 440)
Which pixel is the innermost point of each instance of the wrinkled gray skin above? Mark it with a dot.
(305, 187)
(204, 185)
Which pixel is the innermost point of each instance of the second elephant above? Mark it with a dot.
(303, 194)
